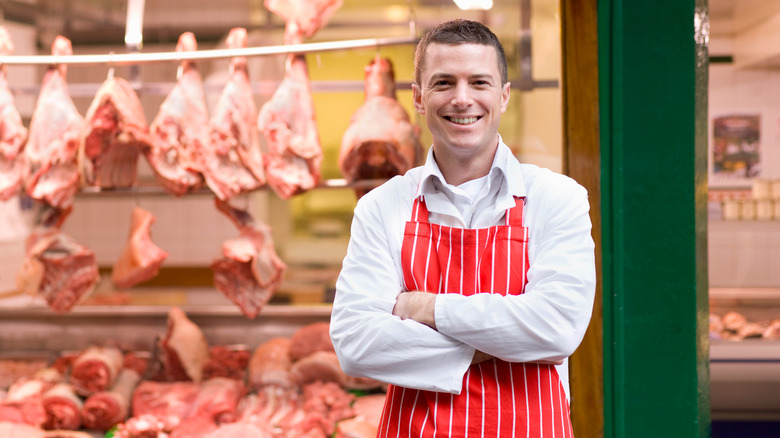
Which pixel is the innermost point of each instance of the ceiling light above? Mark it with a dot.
(474, 4)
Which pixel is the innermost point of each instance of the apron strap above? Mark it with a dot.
(419, 210)
(514, 216)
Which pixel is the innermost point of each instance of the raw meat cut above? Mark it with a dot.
(306, 16)
(166, 402)
(10, 429)
(322, 406)
(184, 348)
(249, 271)
(772, 330)
(319, 366)
(218, 399)
(310, 339)
(61, 433)
(369, 407)
(56, 267)
(63, 407)
(268, 407)
(194, 427)
(226, 362)
(115, 135)
(12, 370)
(270, 365)
(233, 162)
(96, 369)
(356, 428)
(102, 410)
(141, 426)
(51, 152)
(180, 128)
(287, 121)
(136, 363)
(368, 414)
(13, 134)
(140, 258)
(238, 430)
(23, 403)
(381, 141)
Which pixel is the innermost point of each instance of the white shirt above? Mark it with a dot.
(547, 322)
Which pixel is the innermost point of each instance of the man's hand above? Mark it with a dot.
(480, 357)
(418, 306)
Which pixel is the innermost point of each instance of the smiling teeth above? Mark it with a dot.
(464, 121)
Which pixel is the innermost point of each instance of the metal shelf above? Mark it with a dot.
(117, 59)
(152, 189)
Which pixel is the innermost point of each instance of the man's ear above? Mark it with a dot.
(505, 93)
(418, 99)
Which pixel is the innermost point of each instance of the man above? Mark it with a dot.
(468, 281)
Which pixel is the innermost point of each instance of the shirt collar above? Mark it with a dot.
(504, 170)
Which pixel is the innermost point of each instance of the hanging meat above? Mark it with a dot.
(287, 121)
(306, 16)
(52, 175)
(115, 135)
(233, 162)
(381, 141)
(56, 267)
(140, 259)
(13, 134)
(180, 128)
(249, 271)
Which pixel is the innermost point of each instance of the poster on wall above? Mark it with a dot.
(735, 150)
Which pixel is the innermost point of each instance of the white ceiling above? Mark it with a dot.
(729, 17)
(102, 22)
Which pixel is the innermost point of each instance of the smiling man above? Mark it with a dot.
(468, 281)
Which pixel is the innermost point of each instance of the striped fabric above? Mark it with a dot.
(498, 398)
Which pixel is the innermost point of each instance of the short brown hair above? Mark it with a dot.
(459, 31)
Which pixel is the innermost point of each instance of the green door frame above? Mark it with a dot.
(653, 140)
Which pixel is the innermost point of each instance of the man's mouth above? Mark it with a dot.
(463, 120)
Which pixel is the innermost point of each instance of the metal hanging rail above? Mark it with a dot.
(115, 59)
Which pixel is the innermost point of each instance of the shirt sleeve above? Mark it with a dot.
(369, 340)
(549, 320)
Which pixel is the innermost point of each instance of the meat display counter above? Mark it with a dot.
(33, 338)
(745, 354)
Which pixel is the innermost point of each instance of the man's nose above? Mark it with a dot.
(462, 96)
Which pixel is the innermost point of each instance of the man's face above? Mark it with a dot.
(461, 95)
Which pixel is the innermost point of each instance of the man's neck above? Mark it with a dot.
(459, 169)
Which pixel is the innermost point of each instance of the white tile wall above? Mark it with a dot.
(744, 254)
(189, 228)
(13, 230)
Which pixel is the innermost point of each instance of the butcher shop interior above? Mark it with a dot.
(149, 286)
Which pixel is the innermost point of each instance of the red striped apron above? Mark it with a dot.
(499, 398)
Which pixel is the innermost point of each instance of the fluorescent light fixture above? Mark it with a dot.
(474, 4)
(134, 33)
